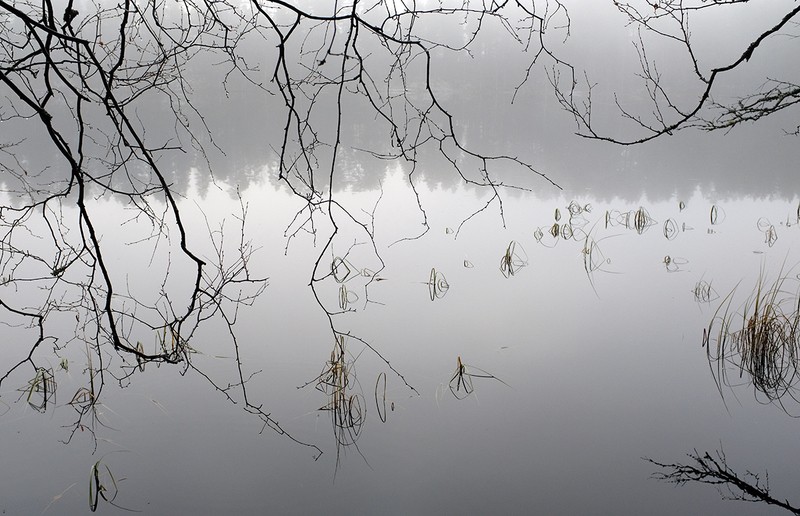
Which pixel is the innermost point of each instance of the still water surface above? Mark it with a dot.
(520, 358)
(585, 359)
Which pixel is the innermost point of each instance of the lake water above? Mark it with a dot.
(421, 345)
(585, 351)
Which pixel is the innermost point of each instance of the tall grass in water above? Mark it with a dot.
(41, 389)
(514, 259)
(102, 484)
(461, 382)
(760, 343)
(338, 381)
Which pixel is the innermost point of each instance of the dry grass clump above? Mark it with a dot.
(761, 340)
(346, 408)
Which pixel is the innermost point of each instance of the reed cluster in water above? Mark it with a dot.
(761, 340)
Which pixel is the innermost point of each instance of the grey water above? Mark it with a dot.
(595, 352)
(524, 358)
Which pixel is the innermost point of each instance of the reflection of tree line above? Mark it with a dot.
(116, 111)
(244, 153)
(112, 101)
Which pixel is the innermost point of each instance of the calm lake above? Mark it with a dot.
(444, 348)
(585, 359)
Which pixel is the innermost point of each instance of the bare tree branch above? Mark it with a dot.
(670, 20)
(713, 469)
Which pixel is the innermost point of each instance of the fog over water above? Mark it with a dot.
(518, 354)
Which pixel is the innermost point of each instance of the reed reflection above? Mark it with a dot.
(704, 292)
(345, 272)
(103, 485)
(638, 220)
(346, 405)
(437, 285)
(380, 397)
(513, 259)
(769, 231)
(460, 383)
(758, 342)
(675, 263)
(41, 390)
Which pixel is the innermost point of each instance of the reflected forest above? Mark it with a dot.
(418, 257)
